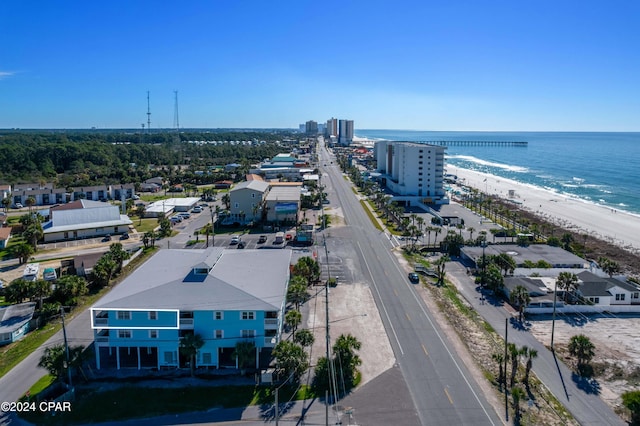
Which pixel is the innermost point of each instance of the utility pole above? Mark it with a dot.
(66, 347)
(553, 321)
(506, 392)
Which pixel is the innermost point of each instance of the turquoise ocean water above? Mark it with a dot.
(600, 168)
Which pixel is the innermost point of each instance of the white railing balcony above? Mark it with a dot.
(271, 323)
(101, 321)
(186, 323)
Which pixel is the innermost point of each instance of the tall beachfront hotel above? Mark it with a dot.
(345, 132)
(413, 172)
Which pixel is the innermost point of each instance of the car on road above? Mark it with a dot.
(414, 278)
(235, 240)
(196, 210)
(106, 238)
(288, 237)
(262, 239)
(241, 244)
(18, 206)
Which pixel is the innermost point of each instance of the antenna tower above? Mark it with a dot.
(148, 114)
(176, 119)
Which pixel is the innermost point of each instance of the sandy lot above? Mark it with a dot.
(617, 343)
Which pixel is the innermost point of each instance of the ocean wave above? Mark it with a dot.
(479, 161)
(577, 179)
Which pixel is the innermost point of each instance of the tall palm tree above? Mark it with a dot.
(471, 230)
(517, 395)
(498, 357)
(514, 357)
(520, 297)
(244, 354)
(530, 354)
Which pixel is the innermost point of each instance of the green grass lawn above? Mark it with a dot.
(130, 402)
(145, 225)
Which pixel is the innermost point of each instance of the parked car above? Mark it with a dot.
(18, 206)
(124, 236)
(241, 244)
(184, 214)
(262, 239)
(288, 237)
(196, 210)
(106, 238)
(235, 240)
(414, 278)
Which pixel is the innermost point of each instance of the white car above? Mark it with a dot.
(196, 210)
(235, 239)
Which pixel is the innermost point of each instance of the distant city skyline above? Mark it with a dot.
(414, 65)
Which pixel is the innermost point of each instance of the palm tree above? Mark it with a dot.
(581, 347)
(471, 230)
(118, 254)
(244, 354)
(530, 354)
(30, 202)
(189, 346)
(520, 297)
(517, 394)
(514, 356)
(568, 282)
(293, 318)
(498, 357)
(304, 337)
(6, 202)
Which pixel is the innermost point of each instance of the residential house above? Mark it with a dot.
(14, 321)
(93, 193)
(606, 291)
(84, 219)
(247, 200)
(84, 263)
(224, 296)
(5, 191)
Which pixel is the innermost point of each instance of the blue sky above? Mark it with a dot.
(423, 65)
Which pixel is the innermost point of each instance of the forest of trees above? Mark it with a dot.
(84, 158)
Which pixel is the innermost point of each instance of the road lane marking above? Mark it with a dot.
(446, 347)
(408, 319)
(425, 350)
(448, 396)
(395, 292)
(386, 313)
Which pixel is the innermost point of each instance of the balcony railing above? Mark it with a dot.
(186, 322)
(101, 321)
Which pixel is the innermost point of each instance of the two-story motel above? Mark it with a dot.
(223, 295)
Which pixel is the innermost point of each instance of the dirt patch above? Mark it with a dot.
(617, 352)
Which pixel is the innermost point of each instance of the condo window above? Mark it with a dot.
(635, 295)
(153, 334)
(248, 315)
(124, 315)
(124, 334)
(218, 334)
(217, 315)
(620, 296)
(246, 334)
(153, 315)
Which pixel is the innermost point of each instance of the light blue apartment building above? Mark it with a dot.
(223, 295)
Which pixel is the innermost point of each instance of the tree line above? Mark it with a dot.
(75, 159)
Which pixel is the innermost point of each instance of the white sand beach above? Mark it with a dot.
(615, 226)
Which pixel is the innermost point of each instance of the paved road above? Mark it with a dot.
(442, 388)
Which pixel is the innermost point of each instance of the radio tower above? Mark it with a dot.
(148, 114)
(176, 119)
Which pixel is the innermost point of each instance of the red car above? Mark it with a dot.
(288, 237)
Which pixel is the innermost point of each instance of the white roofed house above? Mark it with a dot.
(283, 204)
(84, 219)
(224, 296)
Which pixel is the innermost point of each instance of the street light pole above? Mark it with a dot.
(213, 232)
(553, 321)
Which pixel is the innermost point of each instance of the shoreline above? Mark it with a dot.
(615, 226)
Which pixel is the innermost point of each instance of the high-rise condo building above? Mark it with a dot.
(345, 132)
(412, 171)
(332, 127)
(311, 128)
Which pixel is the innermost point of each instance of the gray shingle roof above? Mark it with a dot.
(15, 316)
(239, 280)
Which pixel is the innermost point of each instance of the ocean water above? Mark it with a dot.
(599, 168)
